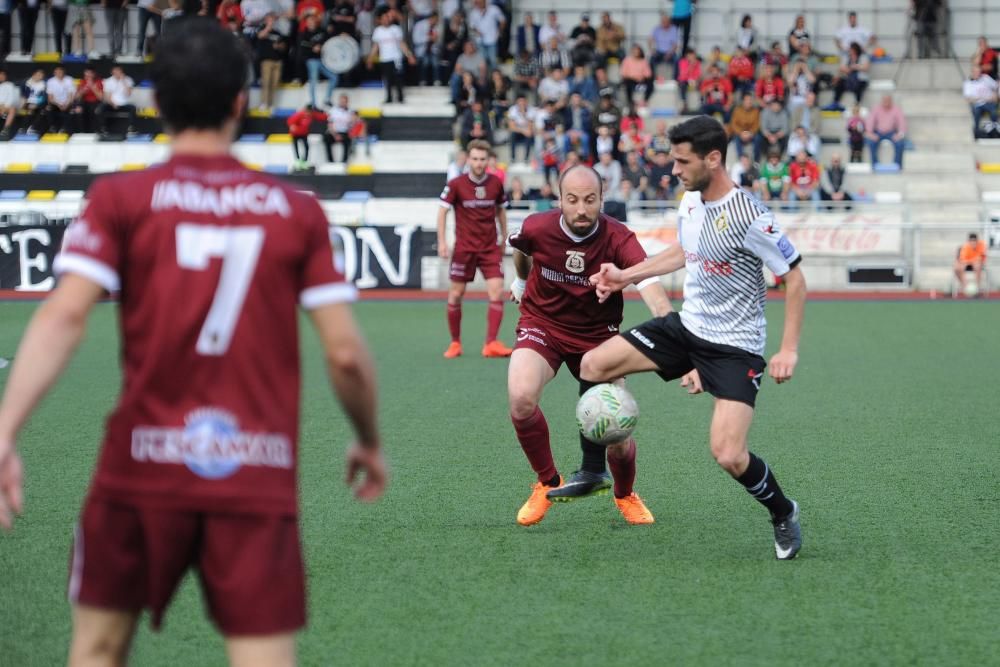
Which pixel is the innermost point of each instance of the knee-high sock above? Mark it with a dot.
(494, 315)
(455, 321)
(593, 454)
(623, 470)
(533, 434)
(760, 483)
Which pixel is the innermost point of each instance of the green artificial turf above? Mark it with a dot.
(888, 437)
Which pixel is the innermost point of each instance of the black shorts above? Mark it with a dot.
(726, 371)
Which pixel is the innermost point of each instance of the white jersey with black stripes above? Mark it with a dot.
(726, 244)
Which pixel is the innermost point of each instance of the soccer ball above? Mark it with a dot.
(606, 414)
(971, 289)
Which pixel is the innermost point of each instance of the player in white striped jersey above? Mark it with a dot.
(726, 237)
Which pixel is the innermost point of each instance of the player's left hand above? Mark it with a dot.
(692, 382)
(11, 491)
(783, 365)
(370, 462)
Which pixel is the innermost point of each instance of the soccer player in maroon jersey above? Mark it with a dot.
(478, 199)
(197, 469)
(561, 319)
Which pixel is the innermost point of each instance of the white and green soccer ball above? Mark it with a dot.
(971, 289)
(607, 413)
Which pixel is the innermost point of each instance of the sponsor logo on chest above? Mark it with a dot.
(574, 261)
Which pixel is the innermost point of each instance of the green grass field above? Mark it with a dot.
(888, 437)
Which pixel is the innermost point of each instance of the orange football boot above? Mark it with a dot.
(495, 348)
(534, 509)
(634, 510)
(454, 350)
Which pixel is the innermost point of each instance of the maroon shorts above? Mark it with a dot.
(465, 262)
(555, 346)
(250, 567)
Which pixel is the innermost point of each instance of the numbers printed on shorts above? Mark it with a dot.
(239, 248)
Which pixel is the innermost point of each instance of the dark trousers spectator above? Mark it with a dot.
(145, 16)
(116, 22)
(518, 139)
(27, 17)
(980, 110)
(709, 109)
(58, 118)
(740, 147)
(338, 138)
(105, 112)
(761, 146)
(391, 79)
(430, 68)
(302, 154)
(5, 34)
(684, 26)
(897, 146)
(742, 87)
(668, 59)
(86, 113)
(644, 87)
(850, 83)
(59, 28)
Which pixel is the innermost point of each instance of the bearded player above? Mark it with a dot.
(478, 199)
(198, 464)
(554, 254)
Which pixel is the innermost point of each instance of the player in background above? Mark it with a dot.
(479, 201)
(560, 320)
(197, 468)
(726, 238)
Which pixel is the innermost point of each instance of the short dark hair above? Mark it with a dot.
(199, 69)
(704, 133)
(973, 236)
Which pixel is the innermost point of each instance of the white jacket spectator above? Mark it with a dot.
(980, 89)
(610, 171)
(60, 90)
(852, 33)
(10, 96)
(118, 89)
(803, 140)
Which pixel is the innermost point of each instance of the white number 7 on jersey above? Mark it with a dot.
(239, 248)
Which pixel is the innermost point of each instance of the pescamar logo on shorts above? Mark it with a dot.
(786, 247)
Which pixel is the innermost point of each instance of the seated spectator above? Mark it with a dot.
(584, 40)
(59, 90)
(87, 100)
(769, 87)
(631, 119)
(230, 14)
(577, 124)
(852, 33)
(10, 103)
(552, 30)
(605, 87)
(746, 37)
(476, 124)
(659, 141)
(493, 167)
(526, 73)
(715, 59)
(663, 46)
(35, 102)
(716, 94)
(338, 129)
(627, 193)
(572, 159)
(517, 198)
(468, 92)
(458, 166)
(427, 48)
(804, 140)
(551, 158)
(610, 41)
(775, 125)
(886, 122)
(456, 34)
(745, 174)
(980, 90)
(554, 56)
(662, 181)
(688, 77)
(835, 174)
(521, 127)
(801, 92)
(605, 142)
(470, 62)
(299, 124)
(985, 58)
(741, 73)
(852, 76)
(547, 121)
(637, 76)
(634, 170)
(608, 114)
(776, 58)
(544, 198)
(971, 257)
(500, 91)
(856, 128)
(804, 176)
(774, 179)
(584, 84)
(798, 35)
(610, 170)
(744, 125)
(528, 37)
(554, 87)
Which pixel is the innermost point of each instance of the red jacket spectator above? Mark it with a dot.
(300, 121)
(804, 175)
(717, 90)
(230, 11)
(305, 7)
(741, 68)
(768, 88)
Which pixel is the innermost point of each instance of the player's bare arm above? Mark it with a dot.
(783, 363)
(443, 250)
(52, 336)
(352, 373)
(522, 267)
(656, 298)
(612, 279)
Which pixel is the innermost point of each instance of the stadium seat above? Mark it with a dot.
(41, 195)
(859, 168)
(331, 168)
(991, 196)
(69, 195)
(663, 113)
(282, 112)
(363, 169)
(276, 168)
(888, 197)
(82, 138)
(253, 166)
(356, 195)
(886, 168)
(370, 112)
(48, 57)
(990, 167)
(285, 139)
(12, 195)
(25, 138)
(161, 139)
(48, 168)
(132, 166)
(18, 168)
(147, 112)
(54, 138)
(259, 113)
(140, 139)
(252, 139)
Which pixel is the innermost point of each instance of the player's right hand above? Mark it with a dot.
(608, 280)
(11, 490)
(367, 460)
(517, 290)
(443, 251)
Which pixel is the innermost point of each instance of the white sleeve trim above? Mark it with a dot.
(647, 282)
(324, 295)
(89, 268)
(444, 204)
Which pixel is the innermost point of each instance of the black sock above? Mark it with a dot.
(594, 455)
(760, 483)
(554, 481)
